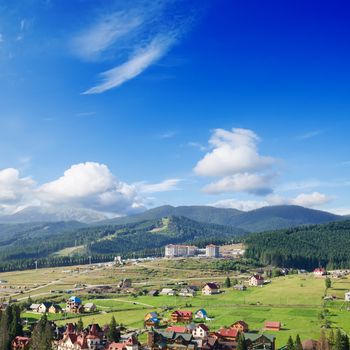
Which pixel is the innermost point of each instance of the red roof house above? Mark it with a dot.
(272, 326)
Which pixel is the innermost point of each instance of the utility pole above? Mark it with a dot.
(90, 260)
(36, 264)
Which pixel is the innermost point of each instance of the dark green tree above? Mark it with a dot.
(227, 282)
(80, 325)
(4, 331)
(241, 343)
(297, 344)
(345, 342)
(113, 334)
(290, 344)
(42, 335)
(328, 283)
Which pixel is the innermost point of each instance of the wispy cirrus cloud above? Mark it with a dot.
(134, 35)
(310, 134)
(133, 67)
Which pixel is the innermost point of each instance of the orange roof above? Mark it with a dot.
(228, 332)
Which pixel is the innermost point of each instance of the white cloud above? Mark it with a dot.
(107, 30)
(308, 200)
(340, 211)
(311, 200)
(135, 35)
(140, 61)
(164, 186)
(310, 134)
(14, 190)
(235, 158)
(12, 186)
(249, 183)
(244, 205)
(233, 152)
(89, 185)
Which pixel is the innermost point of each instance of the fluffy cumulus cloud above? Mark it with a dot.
(249, 183)
(234, 157)
(14, 190)
(312, 200)
(87, 185)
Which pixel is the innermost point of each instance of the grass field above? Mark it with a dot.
(296, 301)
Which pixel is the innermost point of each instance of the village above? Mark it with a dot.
(181, 313)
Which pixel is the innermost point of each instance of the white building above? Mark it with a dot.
(212, 251)
(201, 331)
(347, 296)
(256, 280)
(178, 250)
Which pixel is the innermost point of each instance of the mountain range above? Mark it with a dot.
(60, 242)
(266, 218)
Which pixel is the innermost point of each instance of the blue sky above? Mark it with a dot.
(117, 106)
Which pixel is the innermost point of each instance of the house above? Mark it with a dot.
(187, 292)
(201, 331)
(131, 344)
(181, 316)
(177, 329)
(168, 291)
(152, 322)
(34, 307)
(260, 341)
(347, 296)
(153, 293)
(211, 288)
(157, 339)
(256, 280)
(241, 326)
(90, 307)
(125, 283)
(240, 287)
(44, 307)
(272, 326)
(91, 339)
(55, 309)
(20, 343)
(319, 272)
(151, 319)
(201, 314)
(74, 305)
(230, 334)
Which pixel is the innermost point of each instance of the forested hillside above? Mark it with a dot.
(262, 219)
(308, 247)
(145, 238)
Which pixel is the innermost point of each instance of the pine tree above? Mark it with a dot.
(328, 283)
(227, 282)
(80, 325)
(241, 344)
(297, 344)
(15, 326)
(113, 334)
(331, 338)
(290, 344)
(4, 331)
(338, 341)
(42, 335)
(345, 342)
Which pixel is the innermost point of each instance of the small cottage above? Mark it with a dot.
(256, 280)
(211, 288)
(272, 326)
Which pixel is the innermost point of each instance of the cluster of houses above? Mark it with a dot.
(73, 305)
(193, 336)
(93, 337)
